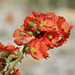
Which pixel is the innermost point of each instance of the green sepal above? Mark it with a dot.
(26, 49)
(2, 67)
(4, 61)
(38, 31)
(30, 32)
(32, 50)
(3, 54)
(42, 25)
(69, 33)
(31, 24)
(22, 33)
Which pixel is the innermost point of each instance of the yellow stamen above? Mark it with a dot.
(62, 26)
(53, 27)
(50, 36)
(43, 24)
(33, 50)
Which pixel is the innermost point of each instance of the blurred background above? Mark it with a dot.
(12, 14)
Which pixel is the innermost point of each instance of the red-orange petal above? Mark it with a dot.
(17, 72)
(35, 44)
(18, 41)
(70, 27)
(22, 27)
(46, 40)
(50, 22)
(44, 49)
(1, 46)
(51, 14)
(31, 15)
(17, 33)
(10, 48)
(27, 37)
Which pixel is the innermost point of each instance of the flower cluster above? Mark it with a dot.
(39, 33)
(5, 51)
(7, 54)
(42, 32)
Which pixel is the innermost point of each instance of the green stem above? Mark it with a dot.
(16, 61)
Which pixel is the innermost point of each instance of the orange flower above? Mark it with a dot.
(38, 49)
(31, 23)
(63, 26)
(9, 48)
(37, 16)
(42, 32)
(61, 42)
(51, 38)
(16, 34)
(43, 21)
(21, 36)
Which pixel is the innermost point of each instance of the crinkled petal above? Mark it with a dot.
(18, 41)
(35, 44)
(17, 72)
(51, 14)
(50, 22)
(10, 48)
(17, 33)
(44, 49)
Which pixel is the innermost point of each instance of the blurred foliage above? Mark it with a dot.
(43, 3)
(53, 3)
(32, 2)
(35, 2)
(71, 3)
(62, 3)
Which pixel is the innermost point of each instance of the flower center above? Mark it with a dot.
(43, 24)
(62, 26)
(53, 27)
(50, 36)
(33, 50)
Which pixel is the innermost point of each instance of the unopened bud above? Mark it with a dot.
(16, 53)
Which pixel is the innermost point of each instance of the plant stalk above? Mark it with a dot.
(15, 62)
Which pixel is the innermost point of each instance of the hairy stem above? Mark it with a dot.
(15, 62)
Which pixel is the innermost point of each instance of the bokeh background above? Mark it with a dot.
(12, 14)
